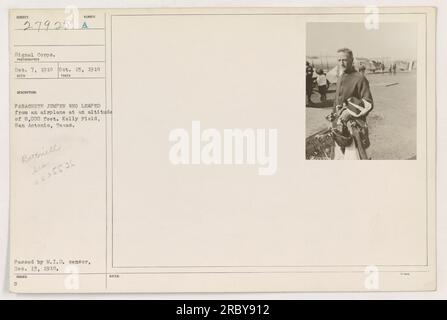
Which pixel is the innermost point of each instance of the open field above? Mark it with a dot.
(392, 123)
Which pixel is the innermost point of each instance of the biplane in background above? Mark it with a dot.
(329, 65)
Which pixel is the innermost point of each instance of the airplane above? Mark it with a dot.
(329, 65)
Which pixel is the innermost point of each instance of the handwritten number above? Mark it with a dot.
(39, 24)
(27, 25)
(45, 25)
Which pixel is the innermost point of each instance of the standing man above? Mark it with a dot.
(309, 82)
(353, 101)
(362, 69)
(322, 84)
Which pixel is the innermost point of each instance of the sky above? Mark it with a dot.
(392, 40)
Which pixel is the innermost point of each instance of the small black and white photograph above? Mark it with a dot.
(361, 91)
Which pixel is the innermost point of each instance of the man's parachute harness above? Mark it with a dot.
(348, 125)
